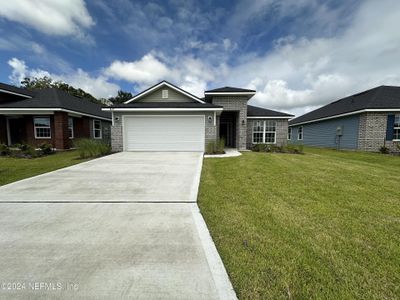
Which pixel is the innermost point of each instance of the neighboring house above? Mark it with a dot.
(365, 121)
(49, 116)
(167, 118)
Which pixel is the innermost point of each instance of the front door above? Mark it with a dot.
(226, 133)
(17, 130)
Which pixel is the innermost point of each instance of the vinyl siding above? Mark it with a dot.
(323, 134)
(173, 96)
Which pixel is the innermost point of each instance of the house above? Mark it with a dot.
(49, 116)
(365, 121)
(165, 117)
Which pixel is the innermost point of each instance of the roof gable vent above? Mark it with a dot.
(165, 94)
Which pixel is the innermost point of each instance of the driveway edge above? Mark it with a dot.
(217, 268)
(196, 181)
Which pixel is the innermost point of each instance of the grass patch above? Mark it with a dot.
(13, 169)
(324, 225)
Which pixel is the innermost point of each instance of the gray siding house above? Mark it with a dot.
(165, 117)
(365, 121)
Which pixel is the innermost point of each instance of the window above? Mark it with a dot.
(396, 131)
(71, 127)
(164, 94)
(97, 129)
(300, 133)
(264, 132)
(289, 133)
(42, 127)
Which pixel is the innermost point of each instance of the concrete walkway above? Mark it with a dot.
(86, 248)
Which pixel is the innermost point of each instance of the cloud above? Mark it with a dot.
(144, 71)
(53, 17)
(98, 86)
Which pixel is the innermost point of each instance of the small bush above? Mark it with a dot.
(384, 150)
(46, 148)
(216, 147)
(4, 150)
(398, 146)
(91, 148)
(293, 149)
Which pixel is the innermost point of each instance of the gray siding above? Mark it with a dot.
(116, 129)
(323, 134)
(173, 96)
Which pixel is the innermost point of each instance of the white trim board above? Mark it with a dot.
(163, 83)
(14, 93)
(47, 110)
(132, 109)
(348, 114)
(228, 93)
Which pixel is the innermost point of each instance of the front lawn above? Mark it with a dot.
(13, 169)
(324, 225)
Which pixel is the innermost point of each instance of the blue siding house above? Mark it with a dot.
(366, 121)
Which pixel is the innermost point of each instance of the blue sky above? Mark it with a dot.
(297, 54)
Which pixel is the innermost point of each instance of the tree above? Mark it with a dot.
(47, 82)
(121, 97)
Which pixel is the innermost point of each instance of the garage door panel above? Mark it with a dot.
(164, 133)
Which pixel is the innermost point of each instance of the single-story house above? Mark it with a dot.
(365, 121)
(49, 116)
(165, 117)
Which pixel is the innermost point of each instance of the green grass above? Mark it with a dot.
(324, 225)
(13, 169)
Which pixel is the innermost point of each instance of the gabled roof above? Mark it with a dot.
(229, 89)
(384, 98)
(165, 105)
(52, 98)
(161, 84)
(254, 112)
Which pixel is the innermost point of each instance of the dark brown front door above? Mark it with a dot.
(17, 130)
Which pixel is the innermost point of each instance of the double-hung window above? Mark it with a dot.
(42, 127)
(289, 133)
(300, 133)
(396, 129)
(264, 132)
(71, 127)
(97, 129)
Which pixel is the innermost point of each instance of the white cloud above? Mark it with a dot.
(98, 86)
(144, 71)
(53, 17)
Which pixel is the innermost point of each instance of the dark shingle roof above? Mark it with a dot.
(229, 89)
(54, 98)
(17, 90)
(254, 111)
(382, 97)
(166, 105)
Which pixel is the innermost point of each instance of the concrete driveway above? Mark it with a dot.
(125, 176)
(135, 245)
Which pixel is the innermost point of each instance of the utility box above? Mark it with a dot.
(339, 131)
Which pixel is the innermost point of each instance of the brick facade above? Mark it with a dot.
(281, 131)
(61, 135)
(238, 104)
(372, 132)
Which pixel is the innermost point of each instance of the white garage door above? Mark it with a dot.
(164, 133)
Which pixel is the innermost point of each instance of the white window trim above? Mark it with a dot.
(36, 127)
(289, 134)
(72, 128)
(94, 130)
(302, 133)
(396, 127)
(263, 134)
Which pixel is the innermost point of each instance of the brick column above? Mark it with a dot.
(61, 136)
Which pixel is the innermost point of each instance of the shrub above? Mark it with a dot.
(46, 148)
(398, 146)
(293, 149)
(259, 148)
(91, 148)
(4, 150)
(216, 147)
(384, 150)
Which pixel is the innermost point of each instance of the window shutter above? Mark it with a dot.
(390, 128)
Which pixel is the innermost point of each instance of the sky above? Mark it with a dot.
(297, 54)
